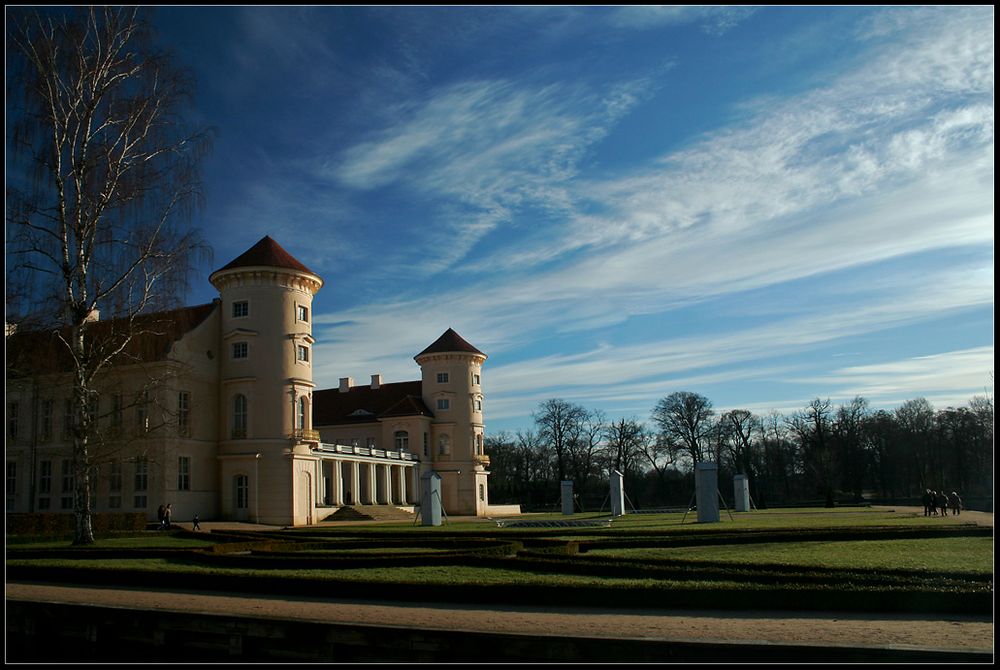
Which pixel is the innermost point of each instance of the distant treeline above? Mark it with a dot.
(821, 454)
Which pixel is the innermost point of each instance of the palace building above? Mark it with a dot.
(213, 409)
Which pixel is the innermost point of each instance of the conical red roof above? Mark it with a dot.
(268, 253)
(450, 341)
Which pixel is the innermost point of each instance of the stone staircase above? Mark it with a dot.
(370, 513)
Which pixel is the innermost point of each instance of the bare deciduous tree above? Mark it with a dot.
(104, 178)
(685, 418)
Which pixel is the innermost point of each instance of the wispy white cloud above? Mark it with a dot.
(713, 20)
(891, 159)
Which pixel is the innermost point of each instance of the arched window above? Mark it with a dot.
(239, 425)
(444, 445)
(402, 440)
(300, 413)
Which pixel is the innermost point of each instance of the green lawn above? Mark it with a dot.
(808, 558)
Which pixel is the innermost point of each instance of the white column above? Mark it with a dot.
(401, 483)
(355, 482)
(372, 485)
(387, 483)
(337, 481)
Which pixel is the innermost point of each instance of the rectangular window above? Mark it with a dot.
(68, 421)
(115, 476)
(302, 313)
(183, 413)
(68, 480)
(443, 403)
(302, 353)
(11, 477)
(141, 474)
(12, 412)
(45, 422)
(68, 485)
(240, 350)
(183, 473)
(478, 405)
(142, 412)
(475, 379)
(117, 412)
(93, 408)
(45, 477)
(241, 308)
(442, 377)
(426, 444)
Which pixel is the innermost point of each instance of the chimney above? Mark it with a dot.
(376, 382)
(345, 384)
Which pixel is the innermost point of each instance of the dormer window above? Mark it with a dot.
(241, 308)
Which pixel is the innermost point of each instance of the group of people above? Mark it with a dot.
(163, 514)
(936, 502)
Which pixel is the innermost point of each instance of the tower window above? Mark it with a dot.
(442, 377)
(302, 353)
(302, 313)
(240, 350)
(443, 403)
(239, 425)
(241, 308)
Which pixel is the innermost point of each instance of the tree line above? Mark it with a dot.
(821, 454)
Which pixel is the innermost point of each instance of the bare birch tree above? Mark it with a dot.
(104, 178)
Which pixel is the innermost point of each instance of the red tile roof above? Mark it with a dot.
(267, 253)
(363, 404)
(449, 341)
(42, 352)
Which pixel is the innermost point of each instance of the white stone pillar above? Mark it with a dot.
(617, 494)
(567, 497)
(741, 493)
(707, 492)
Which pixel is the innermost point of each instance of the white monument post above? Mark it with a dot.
(430, 499)
(617, 494)
(707, 492)
(567, 497)
(741, 493)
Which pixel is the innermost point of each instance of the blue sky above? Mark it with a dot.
(761, 205)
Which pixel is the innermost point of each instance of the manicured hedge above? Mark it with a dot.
(53, 524)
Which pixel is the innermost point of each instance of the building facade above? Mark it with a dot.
(215, 411)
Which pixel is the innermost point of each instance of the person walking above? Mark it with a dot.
(942, 502)
(159, 515)
(956, 503)
(927, 502)
(194, 523)
(166, 516)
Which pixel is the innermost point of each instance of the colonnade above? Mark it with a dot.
(353, 482)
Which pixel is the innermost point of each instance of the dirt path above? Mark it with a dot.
(948, 632)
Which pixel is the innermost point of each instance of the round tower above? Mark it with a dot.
(451, 382)
(266, 378)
